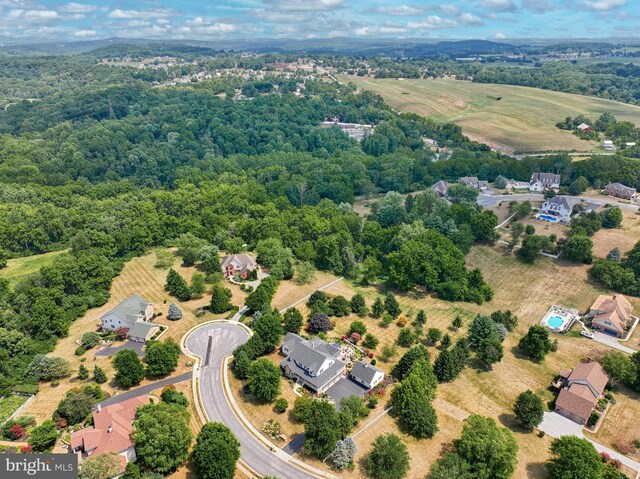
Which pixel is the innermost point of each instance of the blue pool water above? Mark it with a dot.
(548, 218)
(555, 321)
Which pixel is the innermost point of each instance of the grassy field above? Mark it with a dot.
(522, 120)
(18, 268)
(9, 404)
(527, 290)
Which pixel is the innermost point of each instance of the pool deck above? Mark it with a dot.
(568, 316)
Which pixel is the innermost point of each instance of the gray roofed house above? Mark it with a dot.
(366, 374)
(470, 181)
(441, 187)
(559, 206)
(315, 364)
(619, 191)
(133, 314)
(544, 181)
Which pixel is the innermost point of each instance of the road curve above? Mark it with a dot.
(212, 342)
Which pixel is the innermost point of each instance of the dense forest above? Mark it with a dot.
(112, 166)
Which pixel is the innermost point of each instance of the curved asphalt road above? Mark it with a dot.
(212, 342)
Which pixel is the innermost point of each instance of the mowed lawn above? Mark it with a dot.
(139, 276)
(522, 120)
(18, 268)
(9, 404)
(527, 290)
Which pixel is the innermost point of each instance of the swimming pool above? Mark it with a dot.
(553, 219)
(555, 322)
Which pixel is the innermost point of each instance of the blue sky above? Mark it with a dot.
(228, 19)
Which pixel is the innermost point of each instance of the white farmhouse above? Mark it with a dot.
(133, 314)
(544, 181)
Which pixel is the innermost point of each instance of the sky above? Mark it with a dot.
(41, 20)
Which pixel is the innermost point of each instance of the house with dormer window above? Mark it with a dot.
(314, 364)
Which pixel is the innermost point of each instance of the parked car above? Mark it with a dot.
(587, 334)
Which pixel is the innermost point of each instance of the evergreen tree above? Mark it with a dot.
(177, 286)
(358, 304)
(83, 372)
(99, 376)
(490, 351)
(241, 363)
(220, 299)
(174, 313)
(482, 327)
(406, 361)
(377, 309)
(292, 321)
(344, 453)
(456, 323)
(421, 318)
(392, 306)
(615, 255)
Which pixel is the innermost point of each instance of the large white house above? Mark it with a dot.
(560, 207)
(133, 314)
(313, 363)
(544, 181)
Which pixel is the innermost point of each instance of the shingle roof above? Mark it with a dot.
(591, 373)
(568, 203)
(141, 329)
(364, 372)
(548, 178)
(574, 401)
(129, 309)
(100, 438)
(316, 381)
(308, 356)
(616, 309)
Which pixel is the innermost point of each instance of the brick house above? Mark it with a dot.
(611, 314)
(619, 191)
(238, 264)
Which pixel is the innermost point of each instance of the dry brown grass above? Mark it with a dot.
(138, 277)
(289, 292)
(624, 237)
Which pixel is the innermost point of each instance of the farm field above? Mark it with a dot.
(9, 404)
(522, 120)
(18, 268)
(528, 291)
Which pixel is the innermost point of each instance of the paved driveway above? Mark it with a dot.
(213, 342)
(612, 342)
(345, 387)
(111, 350)
(131, 393)
(556, 426)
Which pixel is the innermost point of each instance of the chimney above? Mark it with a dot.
(614, 297)
(110, 428)
(99, 407)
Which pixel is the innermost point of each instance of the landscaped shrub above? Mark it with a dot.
(281, 405)
(89, 339)
(80, 351)
(593, 419)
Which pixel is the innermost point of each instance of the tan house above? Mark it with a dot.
(441, 187)
(619, 191)
(238, 265)
(112, 426)
(611, 314)
(580, 391)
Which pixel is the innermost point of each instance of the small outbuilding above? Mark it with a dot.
(366, 374)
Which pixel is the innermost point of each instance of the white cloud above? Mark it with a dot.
(605, 5)
(146, 14)
(499, 5)
(85, 34)
(73, 7)
(432, 21)
(18, 14)
(376, 31)
(469, 19)
(306, 5)
(400, 11)
(499, 36)
(539, 6)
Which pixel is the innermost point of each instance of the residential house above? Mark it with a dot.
(581, 389)
(560, 207)
(367, 375)
(238, 265)
(607, 145)
(544, 181)
(517, 185)
(112, 426)
(611, 314)
(619, 191)
(134, 315)
(470, 181)
(583, 127)
(630, 144)
(441, 187)
(313, 363)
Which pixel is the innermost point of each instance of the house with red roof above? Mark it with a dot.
(112, 426)
(580, 391)
(611, 315)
